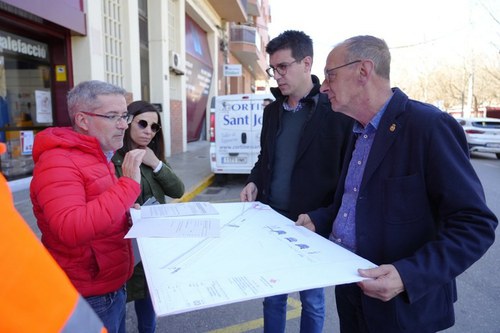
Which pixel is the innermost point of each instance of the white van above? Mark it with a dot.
(235, 125)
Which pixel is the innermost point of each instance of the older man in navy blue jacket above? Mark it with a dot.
(408, 199)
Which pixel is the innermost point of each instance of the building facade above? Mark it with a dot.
(176, 54)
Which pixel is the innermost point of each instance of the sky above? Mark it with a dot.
(444, 31)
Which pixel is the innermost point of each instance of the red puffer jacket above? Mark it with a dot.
(81, 210)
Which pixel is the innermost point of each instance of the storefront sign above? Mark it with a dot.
(198, 81)
(232, 70)
(199, 72)
(22, 45)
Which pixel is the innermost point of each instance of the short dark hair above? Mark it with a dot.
(298, 42)
(157, 145)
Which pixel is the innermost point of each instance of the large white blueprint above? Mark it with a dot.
(259, 253)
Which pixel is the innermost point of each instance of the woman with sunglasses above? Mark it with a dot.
(157, 181)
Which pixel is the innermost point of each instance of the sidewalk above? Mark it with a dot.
(192, 166)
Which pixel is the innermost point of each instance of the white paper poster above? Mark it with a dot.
(43, 106)
(26, 142)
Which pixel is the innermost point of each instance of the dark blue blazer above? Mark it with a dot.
(421, 207)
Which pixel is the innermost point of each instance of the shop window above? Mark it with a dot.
(25, 100)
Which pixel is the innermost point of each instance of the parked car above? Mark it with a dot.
(483, 134)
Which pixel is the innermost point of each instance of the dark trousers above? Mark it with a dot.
(350, 309)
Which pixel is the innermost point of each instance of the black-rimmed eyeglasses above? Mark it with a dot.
(281, 69)
(143, 124)
(329, 72)
(111, 117)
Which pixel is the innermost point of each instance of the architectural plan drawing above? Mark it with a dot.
(259, 253)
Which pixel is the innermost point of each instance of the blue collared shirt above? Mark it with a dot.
(299, 106)
(344, 226)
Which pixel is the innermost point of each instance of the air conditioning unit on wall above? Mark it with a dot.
(176, 64)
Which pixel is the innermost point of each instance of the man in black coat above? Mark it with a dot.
(302, 149)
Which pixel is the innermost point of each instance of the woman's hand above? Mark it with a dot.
(150, 158)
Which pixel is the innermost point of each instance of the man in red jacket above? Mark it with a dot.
(80, 206)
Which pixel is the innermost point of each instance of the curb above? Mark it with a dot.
(197, 189)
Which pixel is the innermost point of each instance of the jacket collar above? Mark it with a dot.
(314, 91)
(388, 130)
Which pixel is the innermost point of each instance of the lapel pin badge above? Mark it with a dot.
(392, 128)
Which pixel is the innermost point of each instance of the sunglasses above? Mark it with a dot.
(154, 126)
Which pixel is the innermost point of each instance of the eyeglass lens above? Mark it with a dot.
(143, 124)
(281, 69)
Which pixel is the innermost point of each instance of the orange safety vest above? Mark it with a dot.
(35, 293)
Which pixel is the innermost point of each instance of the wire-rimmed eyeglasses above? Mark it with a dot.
(281, 69)
(329, 72)
(111, 117)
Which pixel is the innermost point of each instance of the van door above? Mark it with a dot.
(238, 123)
